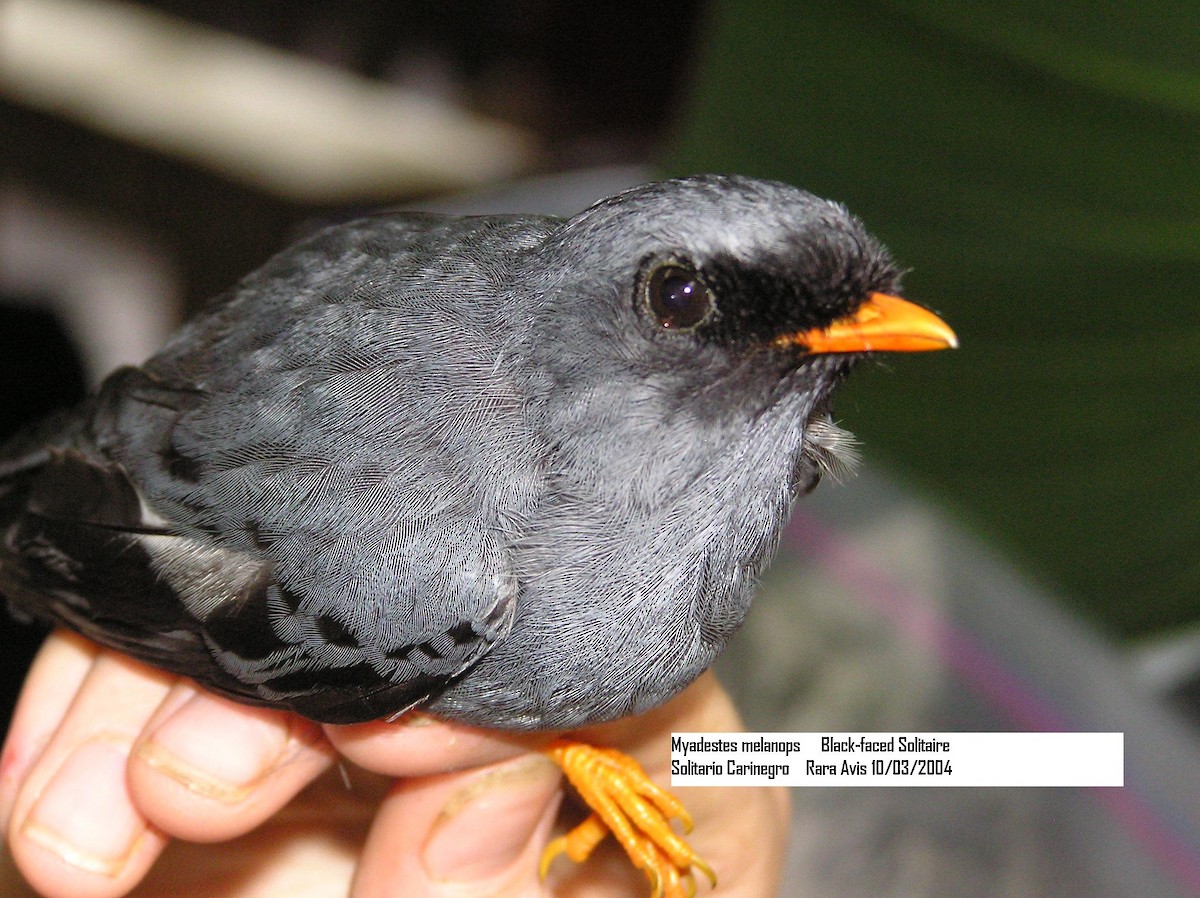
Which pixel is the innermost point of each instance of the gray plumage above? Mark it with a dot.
(455, 462)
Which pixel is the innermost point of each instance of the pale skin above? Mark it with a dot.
(110, 765)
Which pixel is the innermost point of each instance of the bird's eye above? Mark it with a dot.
(677, 297)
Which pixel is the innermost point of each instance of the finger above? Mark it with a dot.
(419, 745)
(56, 675)
(75, 831)
(474, 833)
(209, 769)
(309, 849)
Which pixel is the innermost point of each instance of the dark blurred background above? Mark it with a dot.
(1034, 164)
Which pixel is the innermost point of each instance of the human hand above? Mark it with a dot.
(108, 761)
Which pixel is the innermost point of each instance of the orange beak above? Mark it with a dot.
(882, 324)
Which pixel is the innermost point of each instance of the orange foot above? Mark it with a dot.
(626, 803)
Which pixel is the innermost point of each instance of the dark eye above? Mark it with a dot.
(677, 297)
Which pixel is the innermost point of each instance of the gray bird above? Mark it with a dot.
(518, 470)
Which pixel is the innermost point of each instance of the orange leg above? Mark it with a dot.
(637, 812)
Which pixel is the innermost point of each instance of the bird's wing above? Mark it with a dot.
(284, 505)
(322, 620)
(73, 553)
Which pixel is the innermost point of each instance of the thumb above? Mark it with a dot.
(475, 832)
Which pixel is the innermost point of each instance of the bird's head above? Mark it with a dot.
(714, 275)
(704, 322)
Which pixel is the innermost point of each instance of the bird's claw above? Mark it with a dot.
(625, 802)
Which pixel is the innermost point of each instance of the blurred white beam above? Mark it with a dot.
(117, 295)
(284, 123)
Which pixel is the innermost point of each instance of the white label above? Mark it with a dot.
(898, 759)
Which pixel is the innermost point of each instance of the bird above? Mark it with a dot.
(520, 472)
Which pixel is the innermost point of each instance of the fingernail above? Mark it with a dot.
(217, 751)
(415, 719)
(84, 814)
(488, 824)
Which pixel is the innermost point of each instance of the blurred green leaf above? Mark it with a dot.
(1037, 166)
